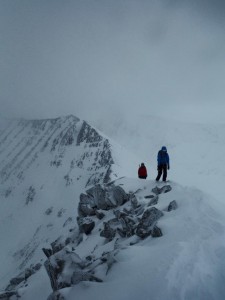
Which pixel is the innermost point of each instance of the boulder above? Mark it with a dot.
(97, 197)
(165, 189)
(148, 220)
(119, 196)
(108, 232)
(87, 225)
(172, 205)
(154, 200)
(156, 232)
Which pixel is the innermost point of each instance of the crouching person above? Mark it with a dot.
(142, 172)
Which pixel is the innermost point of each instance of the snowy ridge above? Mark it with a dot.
(174, 252)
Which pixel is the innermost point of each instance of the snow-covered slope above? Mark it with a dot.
(44, 166)
(186, 262)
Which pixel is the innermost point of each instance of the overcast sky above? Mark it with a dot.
(94, 58)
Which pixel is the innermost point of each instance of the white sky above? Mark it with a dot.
(96, 58)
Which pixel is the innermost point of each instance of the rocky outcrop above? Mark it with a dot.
(99, 198)
(156, 231)
(108, 212)
(21, 278)
(115, 218)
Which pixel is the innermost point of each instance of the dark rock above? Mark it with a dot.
(85, 206)
(57, 245)
(61, 212)
(37, 266)
(156, 232)
(99, 215)
(17, 280)
(47, 252)
(108, 232)
(149, 196)
(156, 190)
(119, 195)
(172, 205)
(122, 232)
(88, 134)
(89, 258)
(165, 189)
(14, 282)
(87, 225)
(118, 214)
(49, 211)
(53, 271)
(154, 200)
(147, 222)
(7, 295)
(97, 197)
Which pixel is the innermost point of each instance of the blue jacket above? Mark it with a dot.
(163, 157)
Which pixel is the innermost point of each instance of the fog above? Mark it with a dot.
(102, 58)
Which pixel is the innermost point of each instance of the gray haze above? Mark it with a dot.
(98, 58)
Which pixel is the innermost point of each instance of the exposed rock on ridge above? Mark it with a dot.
(124, 222)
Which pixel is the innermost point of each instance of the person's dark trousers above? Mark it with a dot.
(162, 169)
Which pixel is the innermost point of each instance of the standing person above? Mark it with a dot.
(163, 163)
(142, 171)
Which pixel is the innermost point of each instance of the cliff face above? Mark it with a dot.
(62, 143)
(44, 166)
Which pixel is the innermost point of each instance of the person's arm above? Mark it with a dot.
(158, 159)
(168, 161)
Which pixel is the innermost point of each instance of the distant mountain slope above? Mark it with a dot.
(25, 143)
(44, 166)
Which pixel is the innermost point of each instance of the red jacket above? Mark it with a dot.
(142, 171)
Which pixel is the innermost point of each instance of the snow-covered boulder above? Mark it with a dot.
(172, 205)
(147, 222)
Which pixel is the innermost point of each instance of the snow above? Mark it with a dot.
(187, 262)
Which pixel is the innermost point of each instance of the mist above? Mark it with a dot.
(98, 59)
